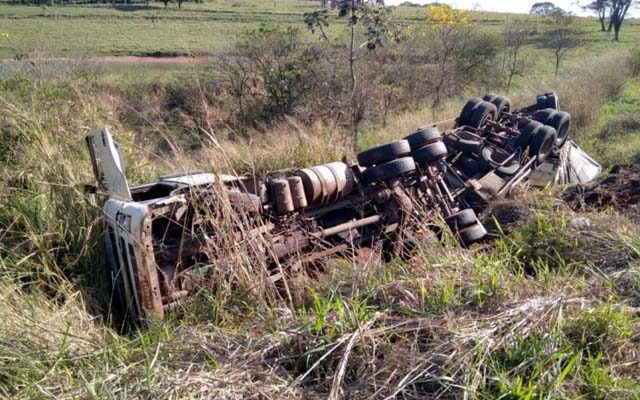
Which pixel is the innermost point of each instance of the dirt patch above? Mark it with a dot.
(161, 60)
(504, 216)
(620, 190)
(121, 60)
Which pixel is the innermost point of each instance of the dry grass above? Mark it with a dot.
(538, 313)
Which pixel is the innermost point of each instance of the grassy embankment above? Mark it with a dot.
(549, 311)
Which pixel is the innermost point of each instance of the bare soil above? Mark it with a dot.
(126, 60)
(620, 189)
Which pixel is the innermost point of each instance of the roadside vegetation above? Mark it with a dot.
(549, 308)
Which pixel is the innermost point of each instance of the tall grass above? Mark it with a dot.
(541, 313)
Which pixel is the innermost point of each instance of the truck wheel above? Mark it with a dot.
(544, 115)
(388, 170)
(489, 97)
(527, 133)
(423, 137)
(561, 122)
(472, 234)
(502, 103)
(384, 153)
(430, 153)
(482, 113)
(542, 143)
(467, 111)
(461, 219)
(552, 100)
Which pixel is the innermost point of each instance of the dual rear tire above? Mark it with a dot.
(466, 227)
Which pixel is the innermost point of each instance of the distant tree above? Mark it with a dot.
(516, 35)
(543, 8)
(619, 9)
(600, 8)
(564, 36)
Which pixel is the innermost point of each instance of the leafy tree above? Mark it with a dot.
(619, 9)
(564, 36)
(270, 75)
(450, 30)
(378, 26)
(542, 8)
(600, 8)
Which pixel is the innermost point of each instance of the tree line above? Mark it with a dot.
(616, 11)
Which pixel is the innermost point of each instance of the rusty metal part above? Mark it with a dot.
(347, 226)
(282, 196)
(297, 192)
(327, 183)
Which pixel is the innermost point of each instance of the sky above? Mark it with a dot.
(514, 6)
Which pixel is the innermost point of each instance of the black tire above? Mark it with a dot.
(544, 115)
(388, 170)
(472, 234)
(467, 111)
(489, 97)
(483, 112)
(527, 133)
(423, 137)
(430, 153)
(561, 122)
(542, 143)
(541, 102)
(552, 100)
(384, 153)
(502, 103)
(469, 166)
(455, 142)
(461, 219)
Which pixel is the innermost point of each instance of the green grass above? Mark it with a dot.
(202, 28)
(616, 138)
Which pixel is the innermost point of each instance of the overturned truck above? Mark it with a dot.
(163, 237)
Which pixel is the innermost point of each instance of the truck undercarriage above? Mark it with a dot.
(169, 239)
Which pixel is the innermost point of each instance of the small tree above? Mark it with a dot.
(378, 26)
(450, 28)
(600, 8)
(516, 36)
(564, 36)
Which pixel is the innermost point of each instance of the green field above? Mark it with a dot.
(197, 28)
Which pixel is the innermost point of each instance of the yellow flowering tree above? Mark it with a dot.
(450, 31)
(443, 15)
(5, 35)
